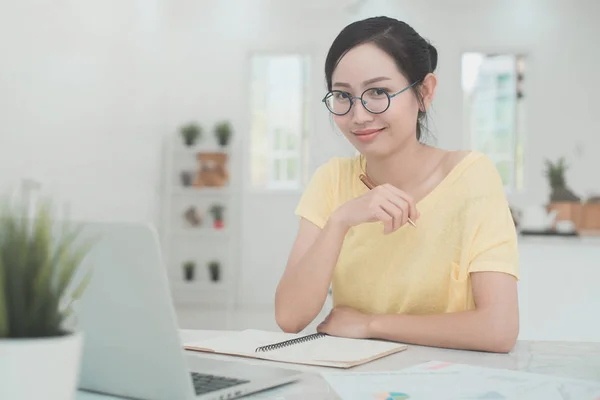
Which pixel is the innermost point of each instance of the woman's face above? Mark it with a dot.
(369, 70)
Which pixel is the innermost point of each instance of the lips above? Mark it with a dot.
(365, 135)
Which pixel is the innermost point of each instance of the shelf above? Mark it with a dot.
(191, 190)
(182, 240)
(200, 292)
(202, 233)
(193, 150)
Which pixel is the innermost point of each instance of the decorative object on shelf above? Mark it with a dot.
(217, 212)
(192, 216)
(191, 133)
(187, 178)
(555, 172)
(590, 218)
(189, 269)
(214, 267)
(537, 219)
(40, 280)
(213, 170)
(562, 199)
(223, 132)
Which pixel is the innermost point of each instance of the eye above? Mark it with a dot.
(341, 96)
(377, 92)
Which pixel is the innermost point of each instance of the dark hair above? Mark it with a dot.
(414, 56)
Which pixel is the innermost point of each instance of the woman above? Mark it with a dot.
(449, 280)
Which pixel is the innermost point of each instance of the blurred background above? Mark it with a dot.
(205, 119)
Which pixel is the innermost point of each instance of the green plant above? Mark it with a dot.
(555, 172)
(189, 267)
(215, 270)
(191, 133)
(37, 269)
(217, 212)
(223, 132)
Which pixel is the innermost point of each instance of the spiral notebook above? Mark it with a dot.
(312, 349)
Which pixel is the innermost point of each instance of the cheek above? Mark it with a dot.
(402, 115)
(342, 122)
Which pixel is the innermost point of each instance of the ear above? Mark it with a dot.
(428, 90)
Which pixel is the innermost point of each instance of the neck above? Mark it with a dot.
(399, 168)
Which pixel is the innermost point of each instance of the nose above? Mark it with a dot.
(359, 114)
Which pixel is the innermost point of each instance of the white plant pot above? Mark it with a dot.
(40, 368)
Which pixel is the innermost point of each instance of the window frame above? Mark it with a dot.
(283, 155)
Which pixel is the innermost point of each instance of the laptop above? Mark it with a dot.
(132, 346)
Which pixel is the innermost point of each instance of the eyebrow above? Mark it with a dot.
(367, 82)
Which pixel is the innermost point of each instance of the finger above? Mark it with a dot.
(399, 217)
(402, 206)
(387, 219)
(322, 327)
(399, 194)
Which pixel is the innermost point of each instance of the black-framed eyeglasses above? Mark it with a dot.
(374, 100)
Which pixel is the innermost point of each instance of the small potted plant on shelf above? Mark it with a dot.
(562, 199)
(187, 178)
(191, 133)
(189, 268)
(223, 132)
(39, 281)
(214, 268)
(217, 212)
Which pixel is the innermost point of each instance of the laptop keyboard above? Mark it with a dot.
(205, 383)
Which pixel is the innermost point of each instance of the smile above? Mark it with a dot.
(365, 135)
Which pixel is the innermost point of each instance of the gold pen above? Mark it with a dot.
(365, 179)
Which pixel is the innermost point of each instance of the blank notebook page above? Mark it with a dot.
(245, 342)
(327, 348)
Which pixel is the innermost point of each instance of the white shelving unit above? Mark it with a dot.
(183, 241)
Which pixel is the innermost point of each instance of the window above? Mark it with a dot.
(279, 118)
(494, 114)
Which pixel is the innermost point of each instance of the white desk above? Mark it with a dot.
(566, 359)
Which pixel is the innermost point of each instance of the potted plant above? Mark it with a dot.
(190, 133)
(562, 199)
(187, 178)
(37, 289)
(214, 268)
(189, 268)
(223, 132)
(217, 212)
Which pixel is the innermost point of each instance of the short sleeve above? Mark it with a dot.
(494, 241)
(317, 201)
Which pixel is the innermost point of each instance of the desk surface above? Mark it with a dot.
(566, 359)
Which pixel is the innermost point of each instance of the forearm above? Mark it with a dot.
(303, 288)
(468, 330)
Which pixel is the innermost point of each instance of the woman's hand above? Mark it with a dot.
(346, 322)
(384, 203)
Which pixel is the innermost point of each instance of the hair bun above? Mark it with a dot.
(433, 56)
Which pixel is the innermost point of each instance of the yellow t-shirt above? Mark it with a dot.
(465, 226)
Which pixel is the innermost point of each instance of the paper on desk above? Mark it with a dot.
(443, 380)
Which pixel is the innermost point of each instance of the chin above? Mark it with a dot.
(382, 146)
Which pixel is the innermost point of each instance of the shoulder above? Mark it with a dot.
(337, 167)
(477, 174)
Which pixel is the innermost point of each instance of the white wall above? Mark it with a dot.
(81, 103)
(89, 90)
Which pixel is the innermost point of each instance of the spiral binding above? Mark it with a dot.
(291, 342)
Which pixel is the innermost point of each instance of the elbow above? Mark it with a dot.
(502, 344)
(287, 324)
(285, 320)
(503, 340)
